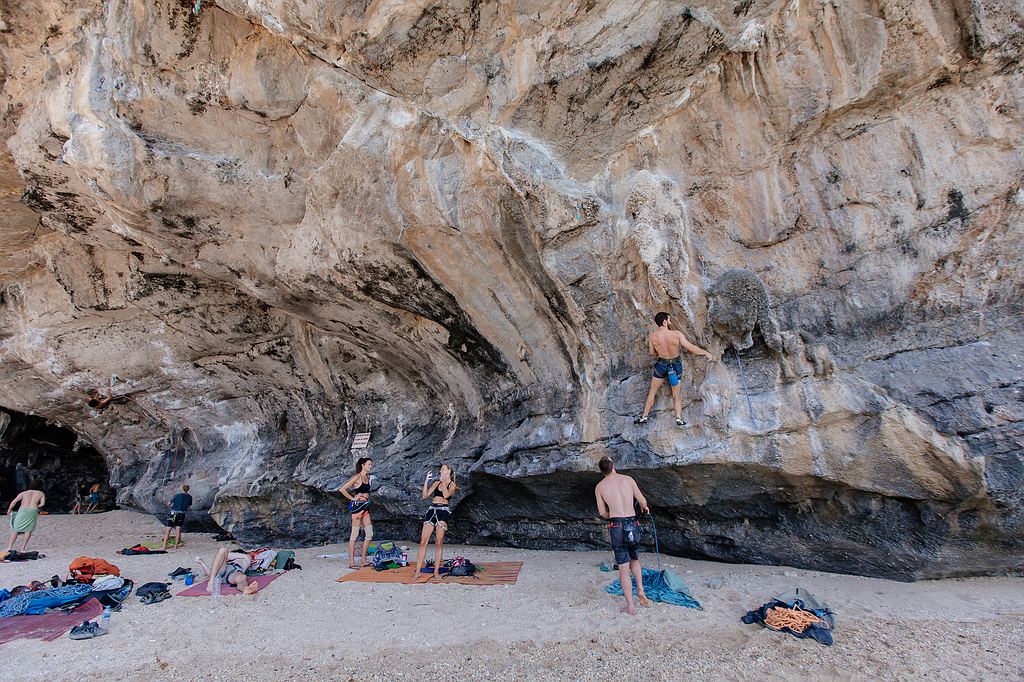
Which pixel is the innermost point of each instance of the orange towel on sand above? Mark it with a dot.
(497, 573)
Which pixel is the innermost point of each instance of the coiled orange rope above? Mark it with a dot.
(796, 620)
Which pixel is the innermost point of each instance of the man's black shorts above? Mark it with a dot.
(625, 534)
(176, 520)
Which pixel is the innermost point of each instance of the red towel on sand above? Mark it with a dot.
(48, 626)
(199, 589)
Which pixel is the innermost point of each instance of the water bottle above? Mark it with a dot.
(105, 620)
(216, 586)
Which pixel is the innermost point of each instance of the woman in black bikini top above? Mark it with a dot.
(359, 508)
(435, 521)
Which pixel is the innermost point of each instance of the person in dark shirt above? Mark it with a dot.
(180, 504)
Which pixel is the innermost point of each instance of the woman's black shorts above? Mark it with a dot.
(437, 515)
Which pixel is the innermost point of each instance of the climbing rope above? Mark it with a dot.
(176, 442)
(609, 324)
(746, 389)
(796, 620)
(608, 347)
(654, 531)
(196, 7)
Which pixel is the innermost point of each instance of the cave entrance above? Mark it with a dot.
(32, 447)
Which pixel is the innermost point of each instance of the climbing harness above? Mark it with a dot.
(746, 390)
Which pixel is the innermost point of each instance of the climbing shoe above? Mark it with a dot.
(86, 630)
(640, 420)
(680, 422)
(179, 571)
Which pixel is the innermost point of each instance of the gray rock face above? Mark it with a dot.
(449, 224)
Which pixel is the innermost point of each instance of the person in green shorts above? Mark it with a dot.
(23, 522)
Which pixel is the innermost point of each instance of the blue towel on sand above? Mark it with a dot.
(662, 586)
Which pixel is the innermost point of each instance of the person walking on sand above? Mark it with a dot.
(615, 494)
(94, 498)
(23, 522)
(231, 568)
(666, 345)
(359, 508)
(79, 498)
(180, 505)
(435, 521)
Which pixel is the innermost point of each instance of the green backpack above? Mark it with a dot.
(282, 559)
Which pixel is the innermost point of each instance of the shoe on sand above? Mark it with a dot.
(640, 420)
(680, 422)
(86, 630)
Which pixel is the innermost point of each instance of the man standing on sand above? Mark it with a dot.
(666, 344)
(615, 495)
(180, 504)
(24, 521)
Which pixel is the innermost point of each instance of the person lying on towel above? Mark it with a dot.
(231, 567)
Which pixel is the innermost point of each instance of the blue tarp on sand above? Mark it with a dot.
(661, 586)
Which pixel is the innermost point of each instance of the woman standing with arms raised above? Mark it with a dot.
(435, 521)
(359, 508)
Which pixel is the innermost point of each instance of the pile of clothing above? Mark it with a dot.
(103, 578)
(799, 613)
(265, 560)
(15, 555)
(458, 566)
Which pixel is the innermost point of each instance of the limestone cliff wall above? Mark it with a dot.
(279, 224)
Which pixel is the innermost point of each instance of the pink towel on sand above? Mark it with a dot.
(48, 626)
(199, 589)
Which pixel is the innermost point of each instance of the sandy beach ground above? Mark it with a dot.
(555, 623)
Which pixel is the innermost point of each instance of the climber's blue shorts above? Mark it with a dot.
(662, 366)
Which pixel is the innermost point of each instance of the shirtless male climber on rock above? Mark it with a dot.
(666, 345)
(615, 495)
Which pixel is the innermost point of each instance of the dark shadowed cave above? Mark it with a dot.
(33, 447)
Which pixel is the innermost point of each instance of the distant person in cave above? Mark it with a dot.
(357, 490)
(94, 498)
(615, 495)
(666, 345)
(435, 521)
(23, 522)
(180, 505)
(79, 498)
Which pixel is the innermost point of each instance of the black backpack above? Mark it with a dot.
(462, 569)
(152, 588)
